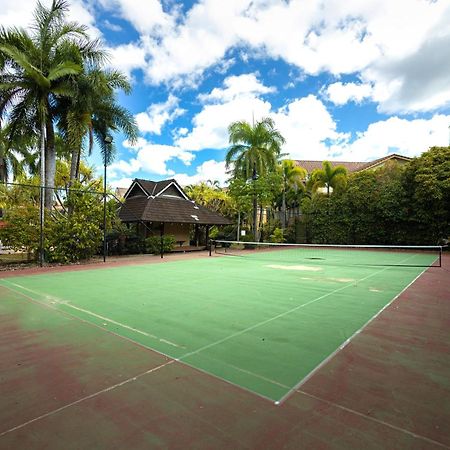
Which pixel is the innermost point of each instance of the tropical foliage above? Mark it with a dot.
(211, 196)
(254, 152)
(52, 75)
(407, 204)
(329, 177)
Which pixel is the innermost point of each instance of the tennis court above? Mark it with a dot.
(260, 320)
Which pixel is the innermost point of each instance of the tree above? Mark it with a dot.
(292, 179)
(254, 152)
(426, 180)
(15, 154)
(211, 197)
(329, 176)
(94, 113)
(36, 72)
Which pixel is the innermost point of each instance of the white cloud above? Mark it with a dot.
(209, 170)
(121, 183)
(127, 57)
(395, 46)
(198, 42)
(237, 100)
(146, 16)
(308, 128)
(395, 135)
(150, 158)
(246, 85)
(211, 124)
(158, 114)
(342, 93)
(19, 14)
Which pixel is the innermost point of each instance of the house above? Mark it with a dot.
(351, 167)
(160, 208)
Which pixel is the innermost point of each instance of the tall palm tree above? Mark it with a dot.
(254, 151)
(94, 113)
(293, 177)
(329, 176)
(253, 147)
(36, 69)
(15, 154)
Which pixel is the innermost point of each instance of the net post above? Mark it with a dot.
(440, 256)
(210, 247)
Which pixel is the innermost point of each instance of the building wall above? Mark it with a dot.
(179, 230)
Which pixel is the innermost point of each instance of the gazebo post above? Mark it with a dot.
(161, 229)
(196, 234)
(207, 236)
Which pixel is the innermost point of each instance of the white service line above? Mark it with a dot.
(343, 345)
(285, 313)
(98, 316)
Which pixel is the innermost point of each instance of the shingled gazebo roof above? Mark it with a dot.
(165, 201)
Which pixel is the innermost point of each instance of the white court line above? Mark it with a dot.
(194, 352)
(344, 344)
(373, 419)
(98, 316)
(285, 313)
(87, 397)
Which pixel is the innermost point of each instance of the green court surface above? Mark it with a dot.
(262, 322)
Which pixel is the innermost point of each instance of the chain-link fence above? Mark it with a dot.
(69, 227)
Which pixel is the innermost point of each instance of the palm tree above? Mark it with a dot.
(293, 177)
(329, 176)
(94, 113)
(253, 147)
(36, 71)
(254, 151)
(15, 154)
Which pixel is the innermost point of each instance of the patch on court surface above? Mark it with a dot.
(300, 268)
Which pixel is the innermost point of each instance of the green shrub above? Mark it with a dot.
(76, 235)
(153, 244)
(277, 236)
(248, 238)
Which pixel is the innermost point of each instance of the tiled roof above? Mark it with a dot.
(313, 165)
(351, 166)
(378, 161)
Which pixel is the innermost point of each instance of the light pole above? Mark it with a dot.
(108, 141)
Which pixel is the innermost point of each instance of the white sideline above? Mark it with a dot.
(98, 316)
(87, 397)
(344, 344)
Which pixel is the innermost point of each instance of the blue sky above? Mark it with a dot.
(353, 80)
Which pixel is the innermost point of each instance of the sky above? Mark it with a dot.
(343, 80)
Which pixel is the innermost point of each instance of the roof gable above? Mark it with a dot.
(155, 188)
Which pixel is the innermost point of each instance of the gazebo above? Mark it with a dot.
(161, 208)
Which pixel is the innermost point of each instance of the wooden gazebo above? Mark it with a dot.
(162, 207)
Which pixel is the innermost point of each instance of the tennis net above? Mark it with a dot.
(371, 255)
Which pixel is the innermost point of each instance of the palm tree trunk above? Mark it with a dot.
(283, 210)
(3, 170)
(74, 166)
(42, 197)
(255, 218)
(260, 220)
(50, 164)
